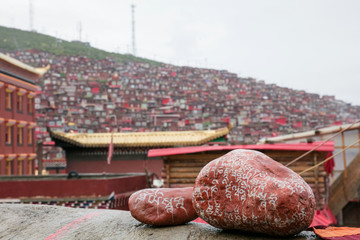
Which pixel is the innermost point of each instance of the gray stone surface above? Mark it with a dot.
(50, 222)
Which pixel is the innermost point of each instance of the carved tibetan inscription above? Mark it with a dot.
(163, 206)
(249, 191)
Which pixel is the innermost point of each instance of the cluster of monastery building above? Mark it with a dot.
(89, 95)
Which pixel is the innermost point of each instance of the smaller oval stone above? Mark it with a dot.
(163, 206)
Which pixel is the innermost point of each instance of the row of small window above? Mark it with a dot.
(10, 168)
(9, 138)
(19, 102)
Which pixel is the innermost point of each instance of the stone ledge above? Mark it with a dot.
(23, 221)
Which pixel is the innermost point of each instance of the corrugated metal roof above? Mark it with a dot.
(313, 133)
(141, 139)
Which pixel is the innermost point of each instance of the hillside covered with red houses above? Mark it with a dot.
(88, 95)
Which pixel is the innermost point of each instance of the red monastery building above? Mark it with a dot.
(87, 152)
(17, 116)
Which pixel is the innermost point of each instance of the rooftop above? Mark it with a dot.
(13, 61)
(141, 139)
(312, 133)
(276, 147)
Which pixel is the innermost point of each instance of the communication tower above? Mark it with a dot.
(133, 28)
(31, 15)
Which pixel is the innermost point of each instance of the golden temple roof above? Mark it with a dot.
(141, 139)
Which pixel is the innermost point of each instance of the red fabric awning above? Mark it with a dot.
(327, 147)
(281, 121)
(95, 90)
(323, 217)
(329, 165)
(337, 233)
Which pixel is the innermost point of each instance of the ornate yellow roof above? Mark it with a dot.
(141, 139)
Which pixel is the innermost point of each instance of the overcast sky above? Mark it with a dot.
(311, 45)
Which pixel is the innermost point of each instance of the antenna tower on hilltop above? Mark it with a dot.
(31, 15)
(80, 30)
(133, 28)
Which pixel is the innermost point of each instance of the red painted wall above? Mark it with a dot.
(2, 166)
(62, 188)
(2, 134)
(89, 165)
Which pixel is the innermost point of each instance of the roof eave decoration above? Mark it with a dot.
(42, 71)
(141, 139)
(37, 71)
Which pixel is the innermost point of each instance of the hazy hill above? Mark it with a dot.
(15, 39)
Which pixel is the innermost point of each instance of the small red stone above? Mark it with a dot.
(249, 191)
(163, 206)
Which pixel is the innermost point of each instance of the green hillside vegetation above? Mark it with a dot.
(14, 39)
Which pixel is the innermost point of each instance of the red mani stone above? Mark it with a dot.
(249, 191)
(163, 206)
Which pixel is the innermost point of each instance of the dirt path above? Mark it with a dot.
(50, 223)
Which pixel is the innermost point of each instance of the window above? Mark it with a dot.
(30, 136)
(8, 134)
(8, 167)
(8, 102)
(30, 105)
(19, 103)
(20, 135)
(30, 166)
(20, 167)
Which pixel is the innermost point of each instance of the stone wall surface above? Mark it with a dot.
(50, 222)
